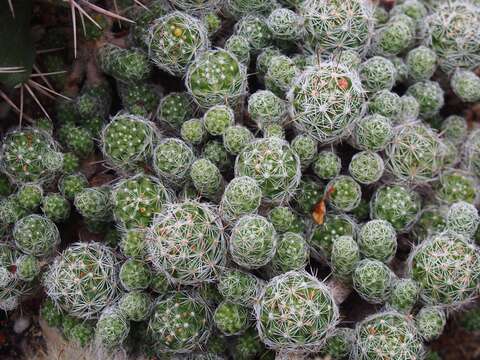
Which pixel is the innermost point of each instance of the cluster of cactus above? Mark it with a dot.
(233, 170)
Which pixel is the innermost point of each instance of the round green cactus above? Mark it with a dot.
(373, 281)
(338, 25)
(429, 95)
(76, 139)
(455, 129)
(373, 132)
(94, 100)
(216, 77)
(325, 100)
(30, 196)
(56, 207)
(193, 131)
(280, 75)
(292, 253)
(396, 204)
(327, 165)
(306, 148)
(186, 242)
(214, 151)
(404, 296)
(324, 235)
(25, 155)
(255, 29)
(70, 185)
(94, 203)
(463, 218)
(10, 210)
(377, 73)
(422, 63)
(387, 334)
(394, 37)
(241, 196)
(343, 258)
(455, 186)
(274, 130)
(465, 84)
(36, 235)
(231, 319)
(377, 240)
(239, 46)
(174, 40)
(206, 178)
(28, 267)
(285, 24)
(128, 141)
(431, 221)
(263, 59)
(175, 108)
(239, 8)
(284, 219)
(139, 98)
(239, 287)
(446, 266)
(180, 322)
(401, 69)
(344, 193)
(366, 167)
(410, 109)
(137, 199)
(127, 65)
(451, 31)
(386, 103)
(235, 138)
(253, 241)
(83, 279)
(135, 275)
(133, 243)
(273, 164)
(248, 345)
(430, 322)
(135, 305)
(297, 295)
(266, 108)
(112, 328)
(217, 119)
(172, 160)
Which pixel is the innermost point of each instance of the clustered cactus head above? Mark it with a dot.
(239, 287)
(266, 108)
(462, 218)
(206, 178)
(405, 294)
(333, 226)
(344, 256)
(112, 328)
(344, 193)
(430, 322)
(83, 279)
(94, 203)
(295, 312)
(292, 253)
(377, 240)
(465, 85)
(136, 200)
(338, 25)
(128, 65)
(373, 132)
(451, 31)
(36, 235)
(366, 167)
(455, 186)
(253, 241)
(135, 305)
(230, 318)
(180, 322)
(255, 29)
(185, 241)
(216, 77)
(175, 108)
(242, 196)
(339, 344)
(396, 204)
(285, 220)
(128, 141)
(56, 207)
(327, 165)
(29, 155)
(429, 96)
(175, 39)
(446, 268)
(273, 164)
(325, 101)
(377, 73)
(285, 24)
(387, 334)
(71, 185)
(373, 280)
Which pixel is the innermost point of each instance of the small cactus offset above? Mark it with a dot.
(240, 179)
